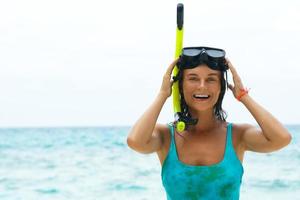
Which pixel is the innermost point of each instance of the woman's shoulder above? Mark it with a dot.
(241, 127)
(164, 132)
(163, 128)
(239, 130)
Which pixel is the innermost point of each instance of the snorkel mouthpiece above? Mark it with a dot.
(183, 121)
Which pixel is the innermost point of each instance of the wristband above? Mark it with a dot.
(243, 92)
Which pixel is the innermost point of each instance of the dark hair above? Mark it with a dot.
(220, 114)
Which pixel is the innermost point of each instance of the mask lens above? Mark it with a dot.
(215, 53)
(191, 52)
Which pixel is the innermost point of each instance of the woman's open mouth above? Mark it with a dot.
(201, 97)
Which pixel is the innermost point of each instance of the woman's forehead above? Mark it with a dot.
(201, 70)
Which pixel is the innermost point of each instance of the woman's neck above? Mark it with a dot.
(206, 121)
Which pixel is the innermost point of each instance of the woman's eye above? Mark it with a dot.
(193, 79)
(211, 80)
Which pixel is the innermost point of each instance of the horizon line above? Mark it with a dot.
(93, 126)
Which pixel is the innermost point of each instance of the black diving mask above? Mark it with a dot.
(193, 56)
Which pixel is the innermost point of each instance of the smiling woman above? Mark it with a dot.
(203, 158)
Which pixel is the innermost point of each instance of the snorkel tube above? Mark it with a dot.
(190, 57)
(180, 125)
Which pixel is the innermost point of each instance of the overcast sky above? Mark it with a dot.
(96, 63)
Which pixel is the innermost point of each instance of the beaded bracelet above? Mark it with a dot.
(243, 92)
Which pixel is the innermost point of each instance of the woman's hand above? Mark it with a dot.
(237, 89)
(166, 87)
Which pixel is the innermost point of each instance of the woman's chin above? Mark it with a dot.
(202, 108)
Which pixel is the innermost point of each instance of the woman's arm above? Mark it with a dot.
(145, 136)
(272, 135)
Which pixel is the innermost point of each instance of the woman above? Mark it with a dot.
(205, 160)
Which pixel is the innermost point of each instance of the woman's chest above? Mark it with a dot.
(202, 151)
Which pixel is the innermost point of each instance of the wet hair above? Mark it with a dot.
(219, 113)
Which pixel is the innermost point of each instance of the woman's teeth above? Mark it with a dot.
(201, 96)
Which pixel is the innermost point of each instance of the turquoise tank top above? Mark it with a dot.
(214, 182)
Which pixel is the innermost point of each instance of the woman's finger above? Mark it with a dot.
(171, 67)
(235, 76)
(230, 86)
(231, 68)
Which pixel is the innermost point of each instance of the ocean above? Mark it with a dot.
(95, 163)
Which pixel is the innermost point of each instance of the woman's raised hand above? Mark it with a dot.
(237, 89)
(166, 87)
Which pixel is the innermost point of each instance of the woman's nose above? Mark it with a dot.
(202, 84)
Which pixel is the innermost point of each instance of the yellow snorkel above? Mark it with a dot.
(180, 125)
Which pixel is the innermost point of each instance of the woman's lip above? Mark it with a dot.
(202, 100)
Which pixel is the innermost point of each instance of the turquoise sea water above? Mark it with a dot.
(95, 163)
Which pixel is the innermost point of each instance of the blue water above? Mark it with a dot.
(95, 163)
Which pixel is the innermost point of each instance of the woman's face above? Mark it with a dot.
(201, 87)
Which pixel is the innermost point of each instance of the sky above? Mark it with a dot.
(100, 63)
